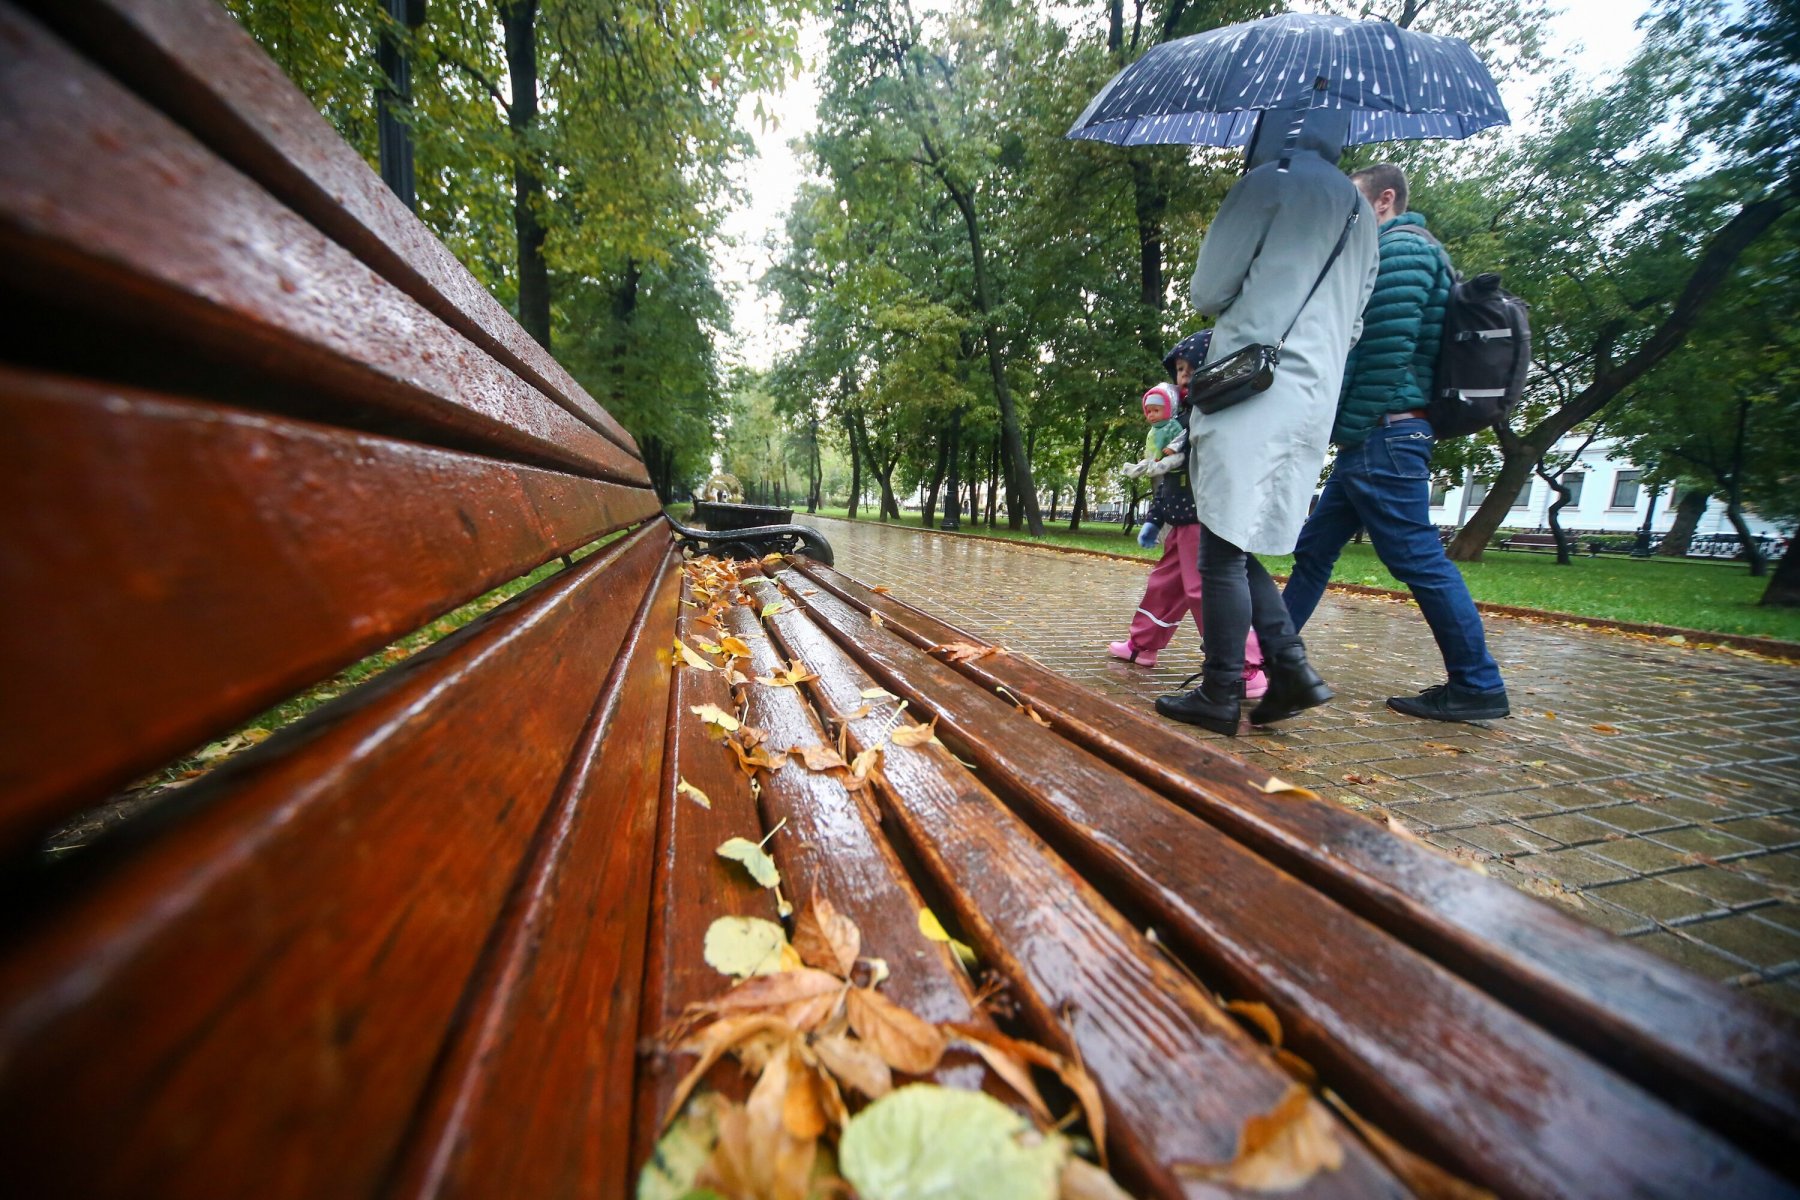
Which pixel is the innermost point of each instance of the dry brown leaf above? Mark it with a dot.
(826, 938)
(862, 766)
(819, 758)
(774, 991)
(1424, 1179)
(1260, 1015)
(1082, 1180)
(965, 651)
(813, 1012)
(1274, 785)
(736, 647)
(712, 714)
(1298, 1068)
(803, 1109)
(880, 589)
(855, 1063)
(1605, 728)
(1443, 748)
(712, 1043)
(684, 788)
(1033, 714)
(905, 1042)
(913, 735)
(862, 711)
(1011, 1068)
(756, 757)
(875, 619)
(1074, 1076)
(1278, 1150)
(691, 657)
(1396, 826)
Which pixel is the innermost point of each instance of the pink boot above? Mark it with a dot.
(1256, 684)
(1143, 658)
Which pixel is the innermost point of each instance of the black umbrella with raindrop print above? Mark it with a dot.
(1212, 88)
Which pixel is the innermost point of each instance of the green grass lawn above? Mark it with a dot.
(1719, 597)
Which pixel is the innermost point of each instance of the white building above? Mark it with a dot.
(1609, 497)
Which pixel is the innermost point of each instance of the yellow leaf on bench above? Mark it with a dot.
(712, 714)
(1278, 1150)
(690, 657)
(684, 788)
(745, 946)
(755, 860)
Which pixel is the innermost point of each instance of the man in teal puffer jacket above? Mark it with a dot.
(1382, 478)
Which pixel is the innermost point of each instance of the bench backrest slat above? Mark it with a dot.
(175, 567)
(227, 274)
(278, 979)
(192, 60)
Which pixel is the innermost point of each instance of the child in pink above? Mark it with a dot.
(1174, 586)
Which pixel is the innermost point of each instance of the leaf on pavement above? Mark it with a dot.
(755, 860)
(684, 788)
(712, 714)
(691, 657)
(906, 1042)
(1273, 786)
(1278, 1150)
(745, 946)
(826, 938)
(1605, 728)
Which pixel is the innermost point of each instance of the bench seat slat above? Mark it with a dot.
(537, 1086)
(1699, 1046)
(1179, 1076)
(1455, 1072)
(221, 272)
(192, 60)
(174, 567)
(692, 885)
(255, 1000)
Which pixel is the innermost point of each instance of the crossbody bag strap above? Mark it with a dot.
(1336, 250)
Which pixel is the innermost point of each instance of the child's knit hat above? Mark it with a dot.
(1193, 347)
(1160, 402)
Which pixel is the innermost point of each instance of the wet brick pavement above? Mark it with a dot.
(1650, 788)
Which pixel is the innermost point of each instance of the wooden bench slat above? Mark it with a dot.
(692, 885)
(1697, 1045)
(192, 60)
(1179, 1076)
(175, 567)
(1439, 1063)
(221, 272)
(536, 1088)
(255, 1000)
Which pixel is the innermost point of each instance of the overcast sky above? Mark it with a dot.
(1600, 34)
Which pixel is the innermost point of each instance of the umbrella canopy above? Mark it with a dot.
(1210, 89)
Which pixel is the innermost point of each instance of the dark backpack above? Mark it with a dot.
(1483, 360)
(1484, 357)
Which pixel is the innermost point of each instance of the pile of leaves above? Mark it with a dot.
(807, 1022)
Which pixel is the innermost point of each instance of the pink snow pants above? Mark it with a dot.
(1174, 591)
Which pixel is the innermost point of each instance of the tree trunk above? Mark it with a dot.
(1688, 512)
(952, 459)
(1784, 584)
(855, 464)
(1564, 555)
(928, 511)
(1734, 512)
(1711, 271)
(815, 469)
(993, 472)
(518, 19)
(1090, 450)
(1018, 469)
(1151, 202)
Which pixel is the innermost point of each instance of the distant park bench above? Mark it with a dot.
(259, 423)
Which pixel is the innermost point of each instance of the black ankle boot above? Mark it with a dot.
(1293, 686)
(1214, 705)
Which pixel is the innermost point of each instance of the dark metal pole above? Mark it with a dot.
(1642, 549)
(393, 139)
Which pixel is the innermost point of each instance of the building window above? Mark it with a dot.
(1573, 481)
(1625, 489)
(1438, 492)
(1478, 492)
(1523, 499)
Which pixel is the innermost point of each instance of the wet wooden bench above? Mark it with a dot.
(258, 423)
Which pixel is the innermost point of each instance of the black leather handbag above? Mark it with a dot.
(1244, 373)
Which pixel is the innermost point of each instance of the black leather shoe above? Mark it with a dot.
(1294, 686)
(1214, 705)
(1447, 702)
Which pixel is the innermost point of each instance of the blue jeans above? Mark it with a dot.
(1384, 486)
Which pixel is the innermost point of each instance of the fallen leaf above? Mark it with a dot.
(880, 589)
(681, 1152)
(755, 860)
(792, 675)
(1354, 778)
(772, 558)
(998, 1051)
(875, 619)
(774, 990)
(1260, 1015)
(736, 647)
(1605, 728)
(1082, 1180)
(906, 1042)
(1443, 748)
(1033, 714)
(256, 736)
(684, 788)
(913, 735)
(1423, 1178)
(827, 939)
(689, 656)
(744, 946)
(934, 930)
(803, 1107)
(855, 1063)
(712, 714)
(1073, 1075)
(1396, 826)
(749, 760)
(965, 651)
(1273, 785)
(876, 693)
(1278, 1150)
(819, 758)
(925, 1141)
(862, 766)
(712, 1043)
(771, 608)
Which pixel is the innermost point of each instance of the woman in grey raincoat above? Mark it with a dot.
(1254, 465)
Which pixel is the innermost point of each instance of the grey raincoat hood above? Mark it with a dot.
(1320, 131)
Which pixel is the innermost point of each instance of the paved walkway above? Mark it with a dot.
(1652, 789)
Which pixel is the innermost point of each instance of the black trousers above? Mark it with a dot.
(1236, 594)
